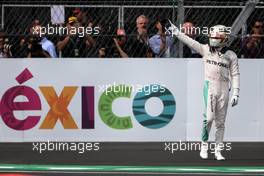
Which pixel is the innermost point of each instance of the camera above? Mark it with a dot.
(7, 47)
(34, 40)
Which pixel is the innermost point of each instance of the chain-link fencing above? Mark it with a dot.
(114, 28)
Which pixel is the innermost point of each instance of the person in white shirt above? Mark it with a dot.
(161, 44)
(46, 44)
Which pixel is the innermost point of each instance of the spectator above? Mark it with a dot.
(78, 14)
(4, 53)
(82, 17)
(35, 49)
(46, 44)
(16, 49)
(101, 53)
(86, 21)
(253, 45)
(20, 47)
(119, 48)
(142, 32)
(161, 44)
(189, 29)
(120, 44)
(139, 44)
(73, 45)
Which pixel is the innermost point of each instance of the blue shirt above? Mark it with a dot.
(155, 42)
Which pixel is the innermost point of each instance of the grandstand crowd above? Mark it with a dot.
(140, 44)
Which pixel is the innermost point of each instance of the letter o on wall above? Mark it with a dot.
(154, 122)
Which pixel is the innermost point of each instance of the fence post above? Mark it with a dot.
(180, 19)
(121, 16)
(242, 19)
(2, 17)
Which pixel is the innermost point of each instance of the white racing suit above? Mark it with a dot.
(218, 69)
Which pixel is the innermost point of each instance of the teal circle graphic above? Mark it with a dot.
(169, 103)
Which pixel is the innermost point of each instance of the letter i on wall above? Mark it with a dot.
(88, 107)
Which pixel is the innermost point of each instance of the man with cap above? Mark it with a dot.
(73, 44)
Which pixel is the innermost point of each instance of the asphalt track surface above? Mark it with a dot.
(131, 158)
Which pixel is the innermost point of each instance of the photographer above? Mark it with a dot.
(119, 48)
(252, 46)
(120, 44)
(5, 48)
(35, 49)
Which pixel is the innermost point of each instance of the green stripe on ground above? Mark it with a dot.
(147, 169)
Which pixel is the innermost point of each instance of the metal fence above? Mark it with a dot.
(16, 18)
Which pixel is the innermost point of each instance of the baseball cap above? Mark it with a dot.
(76, 11)
(72, 19)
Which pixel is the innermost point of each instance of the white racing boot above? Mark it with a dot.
(204, 150)
(218, 155)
